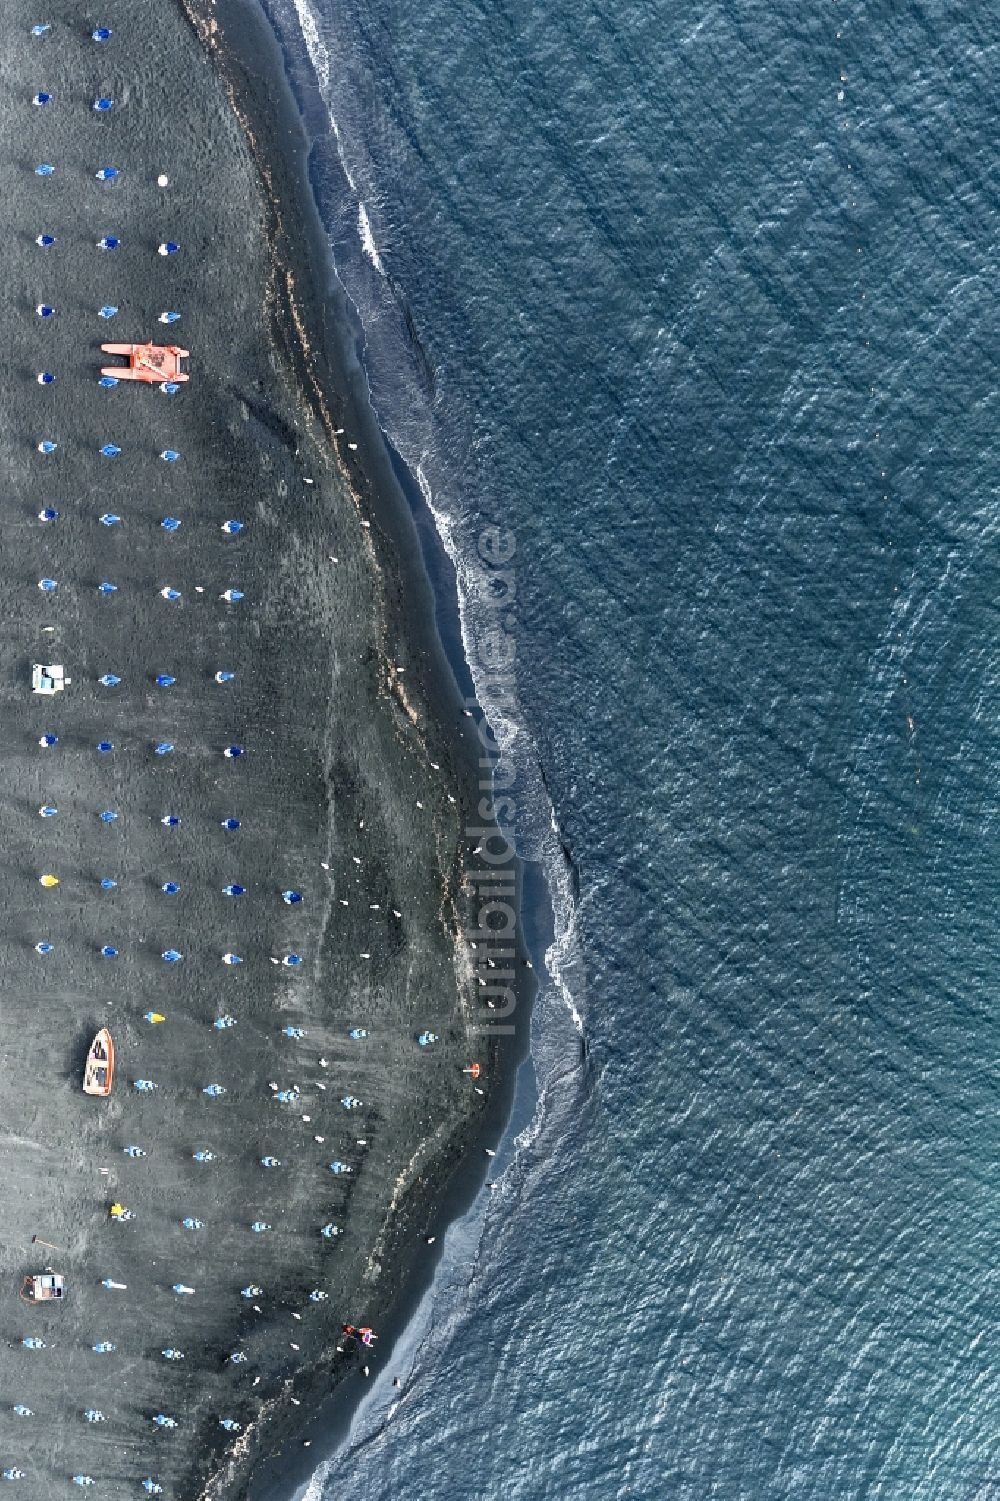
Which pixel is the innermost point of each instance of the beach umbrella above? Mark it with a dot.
(109, 680)
(107, 588)
(110, 450)
(192, 1224)
(48, 513)
(287, 1096)
(339, 1167)
(231, 595)
(171, 1354)
(48, 741)
(47, 811)
(109, 952)
(108, 382)
(47, 446)
(329, 1231)
(109, 518)
(293, 1032)
(164, 748)
(230, 1425)
(237, 1358)
(47, 585)
(106, 174)
(153, 1017)
(169, 317)
(84, 1479)
(144, 1086)
(171, 956)
(426, 1038)
(101, 34)
(13, 1473)
(214, 1090)
(357, 1032)
(233, 889)
(253, 1291)
(169, 455)
(162, 1421)
(259, 1226)
(41, 98)
(222, 676)
(183, 1291)
(318, 1296)
(48, 881)
(107, 884)
(118, 1286)
(44, 169)
(104, 746)
(170, 888)
(108, 242)
(170, 820)
(231, 527)
(168, 248)
(233, 752)
(44, 310)
(170, 523)
(164, 680)
(43, 947)
(40, 30)
(103, 104)
(45, 377)
(108, 815)
(223, 1023)
(45, 241)
(351, 1102)
(230, 823)
(107, 311)
(203, 1156)
(232, 959)
(169, 593)
(169, 387)
(269, 1162)
(150, 1486)
(22, 1411)
(103, 1347)
(133, 1151)
(291, 961)
(290, 898)
(93, 1415)
(31, 1343)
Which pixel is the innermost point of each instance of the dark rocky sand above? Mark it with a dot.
(338, 794)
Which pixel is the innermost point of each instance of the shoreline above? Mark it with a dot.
(253, 67)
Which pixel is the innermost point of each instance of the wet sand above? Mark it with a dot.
(350, 790)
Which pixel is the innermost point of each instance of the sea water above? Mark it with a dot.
(698, 303)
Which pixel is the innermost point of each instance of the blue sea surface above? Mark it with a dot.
(699, 302)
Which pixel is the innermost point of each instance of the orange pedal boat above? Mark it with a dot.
(152, 363)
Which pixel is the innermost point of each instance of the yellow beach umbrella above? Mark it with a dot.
(155, 1016)
(48, 881)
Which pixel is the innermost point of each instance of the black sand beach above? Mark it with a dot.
(350, 790)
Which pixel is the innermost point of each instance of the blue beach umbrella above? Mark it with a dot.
(162, 1421)
(108, 816)
(171, 1354)
(169, 387)
(43, 947)
(41, 98)
(233, 752)
(230, 823)
(48, 513)
(259, 1226)
(45, 377)
(47, 585)
(103, 104)
(295, 1032)
(108, 382)
(203, 1156)
(47, 446)
(47, 811)
(163, 748)
(150, 1486)
(214, 1090)
(164, 680)
(133, 1151)
(144, 1086)
(253, 1291)
(291, 961)
(100, 34)
(170, 820)
(109, 680)
(169, 455)
(230, 1425)
(170, 524)
(287, 1096)
(108, 242)
(231, 528)
(107, 311)
(232, 959)
(106, 174)
(110, 450)
(106, 588)
(190, 1223)
(269, 1162)
(169, 317)
(44, 169)
(107, 884)
(328, 1232)
(44, 310)
(224, 1023)
(171, 956)
(104, 746)
(45, 241)
(169, 247)
(222, 676)
(182, 1291)
(232, 595)
(169, 593)
(48, 741)
(170, 888)
(109, 952)
(40, 30)
(291, 897)
(233, 889)
(109, 519)
(21, 1410)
